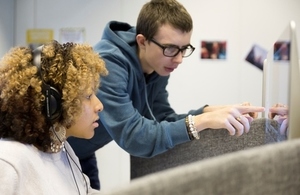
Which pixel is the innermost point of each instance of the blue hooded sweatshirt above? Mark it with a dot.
(137, 113)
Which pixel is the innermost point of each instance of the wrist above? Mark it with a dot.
(191, 128)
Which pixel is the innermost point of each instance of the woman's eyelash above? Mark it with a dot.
(89, 96)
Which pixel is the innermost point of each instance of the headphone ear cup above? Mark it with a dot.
(53, 104)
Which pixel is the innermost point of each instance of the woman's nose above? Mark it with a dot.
(100, 107)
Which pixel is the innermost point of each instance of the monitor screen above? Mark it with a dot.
(281, 78)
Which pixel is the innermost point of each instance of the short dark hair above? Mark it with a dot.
(156, 13)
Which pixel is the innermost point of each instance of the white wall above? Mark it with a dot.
(196, 82)
(56, 14)
(242, 23)
(6, 25)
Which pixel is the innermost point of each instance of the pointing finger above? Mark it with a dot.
(250, 109)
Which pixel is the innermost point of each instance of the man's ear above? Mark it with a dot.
(141, 41)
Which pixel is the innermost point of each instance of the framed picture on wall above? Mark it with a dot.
(75, 35)
(36, 37)
(256, 56)
(213, 50)
(282, 50)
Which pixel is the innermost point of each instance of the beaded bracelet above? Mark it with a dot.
(190, 125)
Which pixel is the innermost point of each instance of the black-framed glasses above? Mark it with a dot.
(173, 50)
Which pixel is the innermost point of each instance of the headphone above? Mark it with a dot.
(52, 107)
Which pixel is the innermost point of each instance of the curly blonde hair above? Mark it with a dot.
(73, 69)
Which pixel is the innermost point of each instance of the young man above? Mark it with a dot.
(137, 112)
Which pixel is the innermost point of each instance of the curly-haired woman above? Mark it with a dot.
(46, 96)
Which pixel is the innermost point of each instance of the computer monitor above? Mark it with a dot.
(281, 78)
(294, 89)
